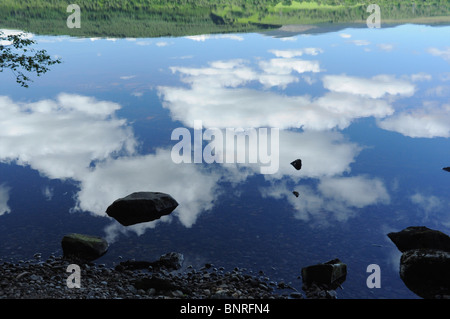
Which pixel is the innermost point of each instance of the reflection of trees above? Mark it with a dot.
(156, 18)
(16, 55)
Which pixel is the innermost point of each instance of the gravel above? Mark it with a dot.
(37, 279)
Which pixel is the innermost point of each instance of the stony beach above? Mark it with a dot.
(47, 279)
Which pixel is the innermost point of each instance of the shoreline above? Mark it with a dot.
(37, 279)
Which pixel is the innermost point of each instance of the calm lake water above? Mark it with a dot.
(367, 111)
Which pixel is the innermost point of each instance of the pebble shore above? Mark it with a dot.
(37, 279)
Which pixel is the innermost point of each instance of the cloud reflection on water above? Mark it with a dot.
(81, 138)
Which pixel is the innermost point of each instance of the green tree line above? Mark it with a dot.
(154, 18)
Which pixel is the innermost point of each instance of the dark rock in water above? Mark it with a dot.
(328, 273)
(446, 169)
(83, 247)
(169, 261)
(296, 193)
(426, 272)
(141, 207)
(320, 281)
(416, 237)
(297, 164)
(425, 262)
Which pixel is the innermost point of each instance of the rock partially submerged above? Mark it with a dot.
(416, 237)
(425, 262)
(326, 273)
(320, 280)
(83, 247)
(141, 207)
(426, 272)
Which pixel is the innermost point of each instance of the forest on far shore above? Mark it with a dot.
(156, 18)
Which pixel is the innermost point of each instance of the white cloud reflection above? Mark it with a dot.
(194, 189)
(428, 203)
(345, 35)
(444, 54)
(388, 47)
(62, 137)
(427, 121)
(79, 137)
(204, 37)
(218, 96)
(375, 87)
(292, 53)
(332, 199)
(4, 198)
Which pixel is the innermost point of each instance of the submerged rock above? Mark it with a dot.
(141, 207)
(416, 237)
(321, 280)
(328, 273)
(425, 262)
(83, 247)
(297, 164)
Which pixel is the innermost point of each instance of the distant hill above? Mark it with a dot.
(156, 18)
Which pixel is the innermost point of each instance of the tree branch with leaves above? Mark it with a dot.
(17, 55)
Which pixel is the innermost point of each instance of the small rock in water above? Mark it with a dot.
(297, 164)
